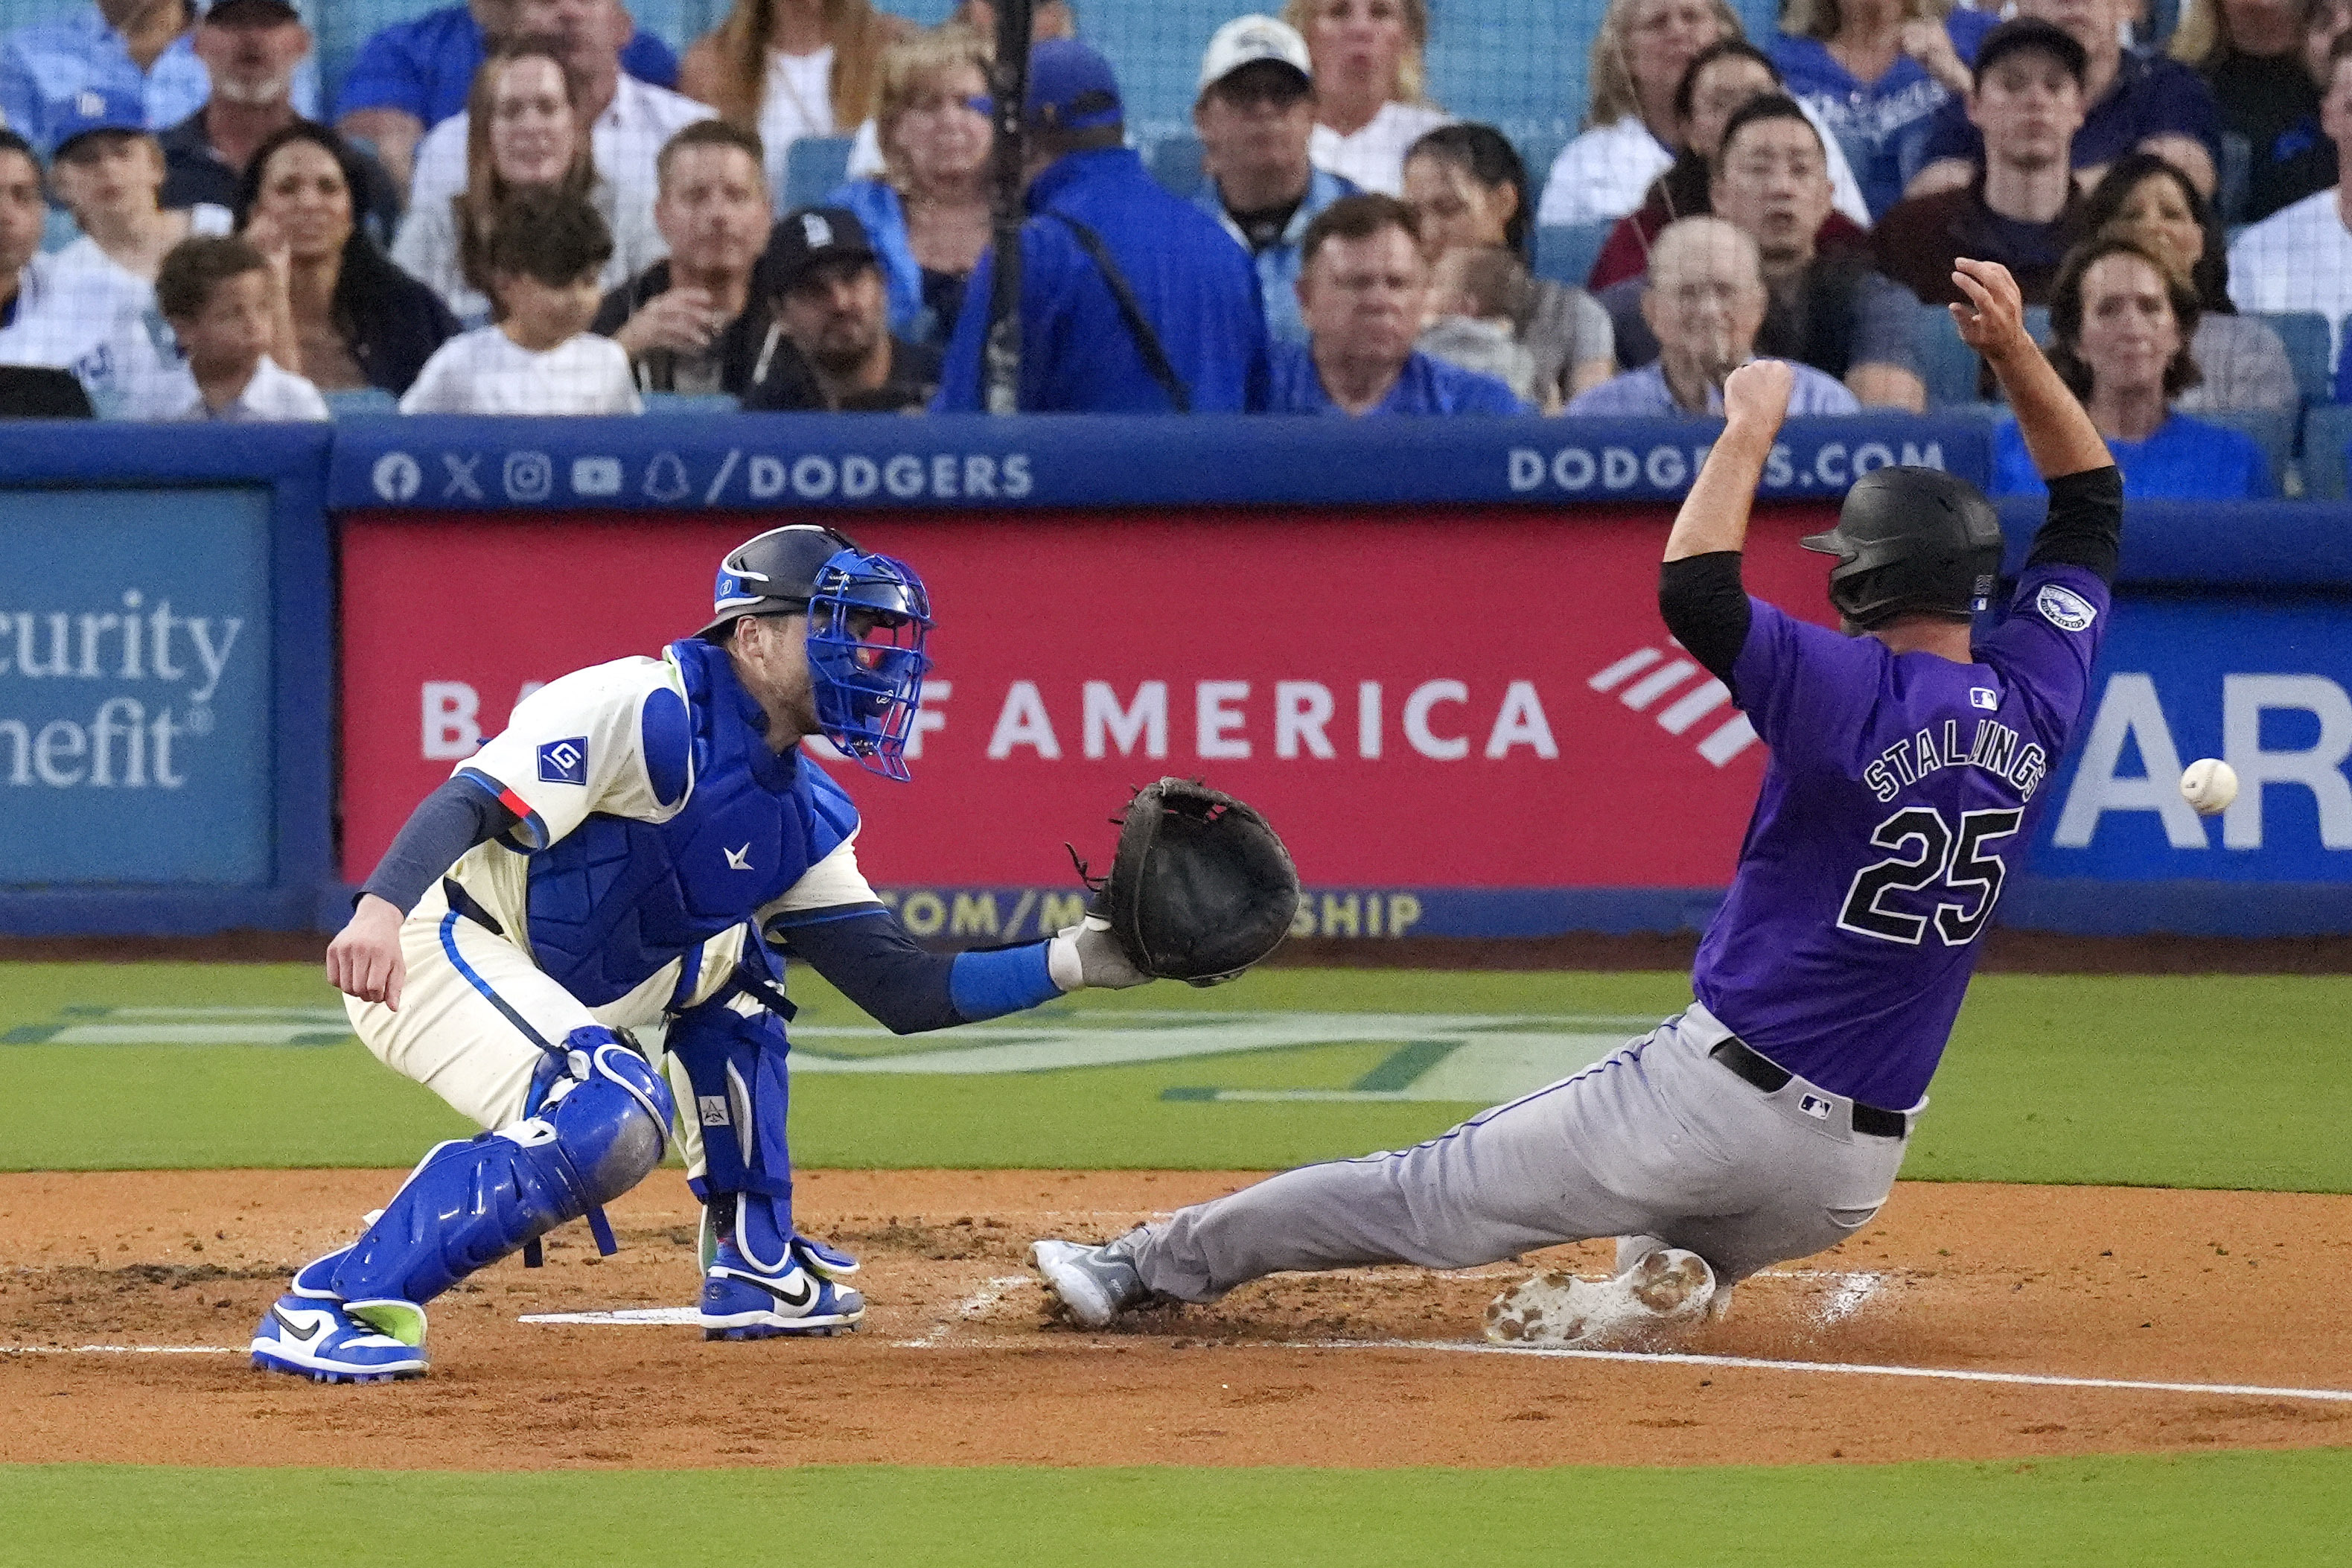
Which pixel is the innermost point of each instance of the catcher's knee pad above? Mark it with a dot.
(469, 1204)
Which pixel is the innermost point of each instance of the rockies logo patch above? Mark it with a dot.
(2065, 608)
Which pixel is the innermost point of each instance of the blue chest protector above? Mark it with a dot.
(616, 900)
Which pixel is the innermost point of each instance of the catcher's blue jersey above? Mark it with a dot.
(654, 817)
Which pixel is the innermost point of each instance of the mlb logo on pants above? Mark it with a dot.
(1814, 1106)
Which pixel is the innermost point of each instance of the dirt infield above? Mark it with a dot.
(956, 1365)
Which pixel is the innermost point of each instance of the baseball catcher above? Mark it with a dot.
(585, 931)
(1768, 1120)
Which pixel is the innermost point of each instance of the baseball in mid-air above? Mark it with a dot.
(2209, 784)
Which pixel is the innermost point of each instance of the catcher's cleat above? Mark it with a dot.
(312, 1334)
(743, 1302)
(1665, 1291)
(1094, 1284)
(822, 1259)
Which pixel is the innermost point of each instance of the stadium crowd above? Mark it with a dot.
(532, 206)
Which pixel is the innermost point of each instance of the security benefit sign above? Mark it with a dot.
(2263, 685)
(1446, 718)
(134, 686)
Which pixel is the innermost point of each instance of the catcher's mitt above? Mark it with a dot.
(1201, 889)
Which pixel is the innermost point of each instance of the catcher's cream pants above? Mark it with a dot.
(477, 1017)
(1657, 1142)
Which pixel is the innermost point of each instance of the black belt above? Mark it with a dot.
(1772, 1077)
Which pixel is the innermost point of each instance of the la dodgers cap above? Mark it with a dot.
(2032, 32)
(1071, 87)
(97, 108)
(1247, 40)
(808, 237)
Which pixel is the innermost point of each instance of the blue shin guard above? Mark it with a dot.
(469, 1204)
(761, 1280)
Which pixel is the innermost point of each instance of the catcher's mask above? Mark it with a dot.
(867, 615)
(1911, 540)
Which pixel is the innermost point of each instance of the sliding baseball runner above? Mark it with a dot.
(1768, 1120)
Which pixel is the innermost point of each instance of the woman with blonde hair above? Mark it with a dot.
(1875, 72)
(522, 133)
(1370, 87)
(927, 212)
(1634, 132)
(789, 68)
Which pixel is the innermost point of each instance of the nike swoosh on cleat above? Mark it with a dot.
(807, 1292)
(287, 1324)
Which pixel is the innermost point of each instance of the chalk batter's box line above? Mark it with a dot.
(1454, 1347)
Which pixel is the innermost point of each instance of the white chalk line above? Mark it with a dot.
(125, 1349)
(965, 1311)
(981, 1301)
(1755, 1364)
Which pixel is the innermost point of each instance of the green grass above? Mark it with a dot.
(2197, 1081)
(2246, 1510)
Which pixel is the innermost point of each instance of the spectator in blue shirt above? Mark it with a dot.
(136, 48)
(2130, 100)
(1364, 292)
(1132, 300)
(413, 75)
(1256, 116)
(1875, 72)
(2124, 321)
(1706, 303)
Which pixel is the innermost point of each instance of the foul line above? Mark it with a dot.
(1679, 1358)
(124, 1350)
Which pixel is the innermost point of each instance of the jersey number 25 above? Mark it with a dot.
(1928, 851)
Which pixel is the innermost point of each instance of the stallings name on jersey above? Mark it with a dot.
(1995, 748)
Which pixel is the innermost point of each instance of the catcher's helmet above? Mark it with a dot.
(869, 617)
(1911, 540)
(772, 574)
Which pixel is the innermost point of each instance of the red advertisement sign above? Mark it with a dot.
(1473, 698)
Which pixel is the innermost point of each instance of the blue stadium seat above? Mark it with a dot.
(2308, 345)
(1175, 163)
(814, 165)
(690, 403)
(2272, 429)
(1947, 365)
(2325, 432)
(359, 400)
(1565, 251)
(1538, 148)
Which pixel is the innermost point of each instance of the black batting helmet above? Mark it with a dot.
(1911, 540)
(771, 575)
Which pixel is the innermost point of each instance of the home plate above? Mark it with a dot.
(625, 1317)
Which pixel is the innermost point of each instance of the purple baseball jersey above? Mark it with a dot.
(1901, 792)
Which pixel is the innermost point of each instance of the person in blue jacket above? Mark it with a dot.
(1363, 289)
(2124, 321)
(1132, 300)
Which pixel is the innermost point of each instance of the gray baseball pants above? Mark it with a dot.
(1657, 1143)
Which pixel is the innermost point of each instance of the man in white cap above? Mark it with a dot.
(1256, 116)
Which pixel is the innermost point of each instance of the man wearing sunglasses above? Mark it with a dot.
(638, 850)
(1256, 116)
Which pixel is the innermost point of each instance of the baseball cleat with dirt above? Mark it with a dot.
(1668, 1290)
(1093, 1284)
